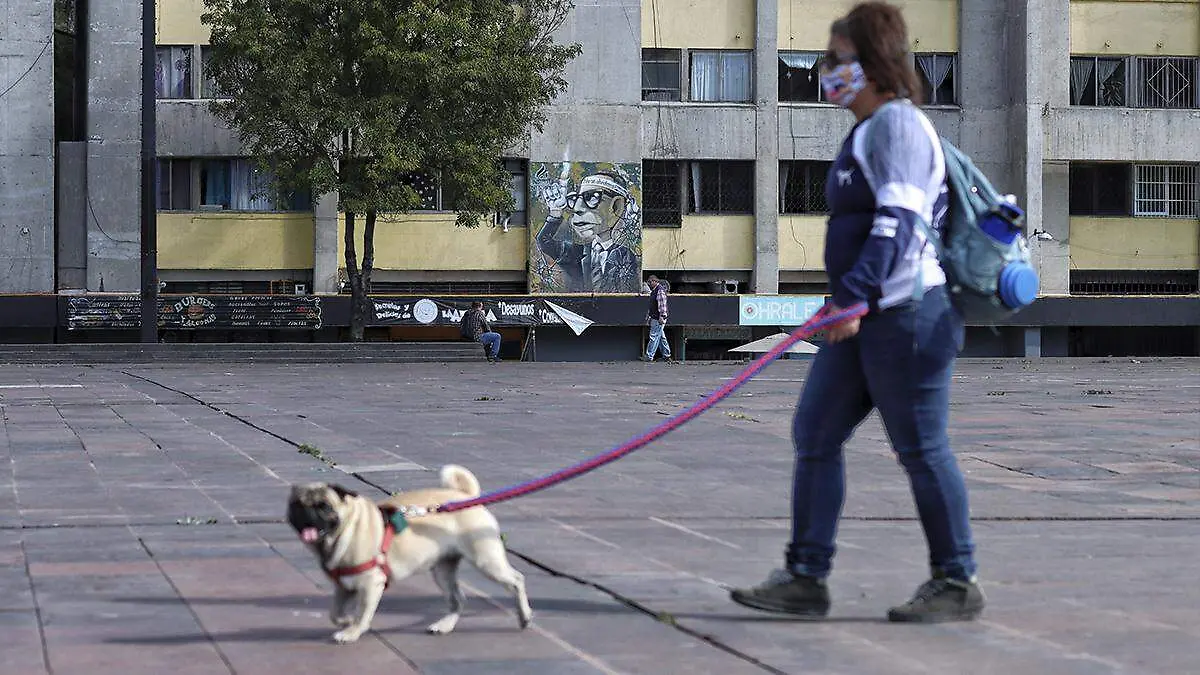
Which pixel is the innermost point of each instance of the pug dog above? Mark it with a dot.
(346, 533)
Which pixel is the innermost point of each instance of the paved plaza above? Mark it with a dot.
(141, 520)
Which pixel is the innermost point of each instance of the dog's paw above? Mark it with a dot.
(443, 626)
(525, 621)
(347, 636)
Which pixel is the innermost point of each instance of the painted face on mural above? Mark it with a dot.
(597, 207)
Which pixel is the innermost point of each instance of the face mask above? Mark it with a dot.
(843, 82)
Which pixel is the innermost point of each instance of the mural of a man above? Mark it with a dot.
(591, 260)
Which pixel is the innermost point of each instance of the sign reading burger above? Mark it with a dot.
(194, 311)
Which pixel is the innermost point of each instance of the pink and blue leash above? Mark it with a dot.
(819, 321)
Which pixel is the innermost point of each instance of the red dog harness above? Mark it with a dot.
(394, 523)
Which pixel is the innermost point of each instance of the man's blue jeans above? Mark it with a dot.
(899, 363)
(658, 341)
(491, 341)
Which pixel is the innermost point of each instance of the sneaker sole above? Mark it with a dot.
(944, 617)
(755, 603)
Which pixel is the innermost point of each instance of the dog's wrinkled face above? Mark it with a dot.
(314, 510)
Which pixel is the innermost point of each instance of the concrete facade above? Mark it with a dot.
(26, 147)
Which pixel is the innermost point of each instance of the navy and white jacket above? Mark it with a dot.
(890, 173)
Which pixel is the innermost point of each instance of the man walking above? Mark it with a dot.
(656, 314)
(475, 327)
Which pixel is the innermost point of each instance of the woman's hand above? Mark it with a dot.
(841, 331)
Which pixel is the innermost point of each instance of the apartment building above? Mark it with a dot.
(1088, 110)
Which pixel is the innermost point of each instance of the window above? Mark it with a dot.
(173, 72)
(238, 185)
(1168, 190)
(1099, 190)
(1097, 80)
(174, 178)
(799, 80)
(660, 75)
(721, 187)
(1164, 82)
(662, 193)
(722, 76)
(1136, 81)
(208, 88)
(518, 171)
(937, 78)
(802, 186)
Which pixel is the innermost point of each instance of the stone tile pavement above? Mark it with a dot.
(141, 520)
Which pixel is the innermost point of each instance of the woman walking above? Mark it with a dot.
(898, 359)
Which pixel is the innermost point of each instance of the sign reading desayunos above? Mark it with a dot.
(515, 312)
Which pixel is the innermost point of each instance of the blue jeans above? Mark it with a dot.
(491, 341)
(899, 363)
(658, 341)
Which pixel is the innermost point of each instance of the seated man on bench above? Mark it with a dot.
(475, 327)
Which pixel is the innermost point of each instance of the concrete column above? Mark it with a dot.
(27, 148)
(114, 146)
(1039, 44)
(1033, 343)
(984, 91)
(766, 167)
(325, 244)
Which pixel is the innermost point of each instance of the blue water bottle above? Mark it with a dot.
(1003, 223)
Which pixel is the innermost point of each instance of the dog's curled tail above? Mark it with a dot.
(457, 478)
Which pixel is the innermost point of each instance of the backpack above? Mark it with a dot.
(465, 328)
(983, 253)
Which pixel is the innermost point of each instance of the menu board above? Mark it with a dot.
(189, 312)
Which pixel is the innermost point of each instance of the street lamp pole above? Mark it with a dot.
(149, 229)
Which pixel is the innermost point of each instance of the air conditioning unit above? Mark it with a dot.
(502, 219)
(301, 289)
(725, 287)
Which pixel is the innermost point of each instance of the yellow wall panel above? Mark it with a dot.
(801, 242)
(235, 241)
(1147, 28)
(177, 22)
(1135, 243)
(701, 243)
(698, 24)
(804, 24)
(431, 241)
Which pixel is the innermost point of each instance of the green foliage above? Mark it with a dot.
(353, 95)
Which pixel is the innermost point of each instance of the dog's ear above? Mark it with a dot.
(342, 492)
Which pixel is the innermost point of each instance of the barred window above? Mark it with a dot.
(662, 193)
(1099, 189)
(1136, 81)
(721, 187)
(802, 186)
(1168, 190)
(1164, 82)
(660, 74)
(799, 81)
(937, 74)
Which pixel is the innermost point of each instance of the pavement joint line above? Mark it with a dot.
(37, 611)
(701, 535)
(191, 610)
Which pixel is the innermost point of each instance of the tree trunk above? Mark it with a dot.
(358, 318)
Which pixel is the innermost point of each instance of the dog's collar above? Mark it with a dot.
(394, 523)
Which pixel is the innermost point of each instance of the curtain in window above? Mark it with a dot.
(173, 72)
(251, 187)
(1105, 68)
(936, 68)
(696, 205)
(799, 60)
(736, 74)
(215, 183)
(785, 168)
(705, 76)
(1081, 77)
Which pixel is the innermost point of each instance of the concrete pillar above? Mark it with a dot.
(1033, 343)
(27, 148)
(113, 134)
(325, 244)
(766, 167)
(72, 217)
(984, 91)
(1039, 46)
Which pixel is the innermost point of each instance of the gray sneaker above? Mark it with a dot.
(941, 599)
(786, 593)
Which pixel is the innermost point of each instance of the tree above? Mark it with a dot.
(361, 97)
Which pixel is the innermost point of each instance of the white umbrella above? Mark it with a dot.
(768, 343)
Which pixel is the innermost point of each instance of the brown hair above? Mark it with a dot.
(880, 38)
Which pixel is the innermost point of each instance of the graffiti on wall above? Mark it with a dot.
(586, 227)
